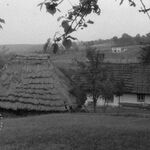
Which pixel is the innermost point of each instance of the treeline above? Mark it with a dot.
(124, 40)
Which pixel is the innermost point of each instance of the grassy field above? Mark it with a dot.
(86, 131)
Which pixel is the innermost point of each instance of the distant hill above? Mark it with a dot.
(21, 48)
(130, 55)
(124, 40)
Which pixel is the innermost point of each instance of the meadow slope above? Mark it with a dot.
(75, 132)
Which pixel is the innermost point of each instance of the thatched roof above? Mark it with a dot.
(136, 76)
(33, 83)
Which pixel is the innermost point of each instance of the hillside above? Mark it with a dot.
(130, 55)
(21, 48)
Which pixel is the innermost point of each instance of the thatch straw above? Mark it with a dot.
(32, 83)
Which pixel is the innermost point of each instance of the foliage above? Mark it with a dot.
(50, 47)
(145, 55)
(124, 40)
(1, 21)
(119, 88)
(2, 62)
(75, 18)
(108, 90)
(80, 95)
(4, 56)
(93, 75)
(46, 46)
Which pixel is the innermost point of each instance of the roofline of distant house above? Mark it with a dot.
(136, 93)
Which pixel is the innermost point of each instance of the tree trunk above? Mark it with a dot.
(119, 101)
(94, 104)
(104, 110)
(119, 105)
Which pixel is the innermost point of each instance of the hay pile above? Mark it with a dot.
(32, 83)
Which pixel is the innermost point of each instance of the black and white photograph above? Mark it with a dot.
(74, 74)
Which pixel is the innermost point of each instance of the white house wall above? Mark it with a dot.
(132, 98)
(100, 101)
(126, 98)
(147, 99)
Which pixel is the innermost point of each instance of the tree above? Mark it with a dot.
(5, 57)
(92, 75)
(46, 47)
(119, 89)
(138, 39)
(145, 55)
(80, 95)
(107, 91)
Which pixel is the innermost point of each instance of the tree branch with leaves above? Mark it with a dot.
(2, 21)
(75, 18)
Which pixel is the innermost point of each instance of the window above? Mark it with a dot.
(140, 97)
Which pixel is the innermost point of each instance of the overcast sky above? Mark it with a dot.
(25, 23)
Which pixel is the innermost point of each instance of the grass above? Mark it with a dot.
(75, 132)
(122, 111)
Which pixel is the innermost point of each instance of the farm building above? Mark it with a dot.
(34, 83)
(118, 49)
(136, 78)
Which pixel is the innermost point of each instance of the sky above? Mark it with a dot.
(26, 24)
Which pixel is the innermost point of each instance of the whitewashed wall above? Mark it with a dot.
(101, 101)
(147, 99)
(126, 98)
(132, 98)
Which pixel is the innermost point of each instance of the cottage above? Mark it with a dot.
(136, 78)
(34, 83)
(118, 49)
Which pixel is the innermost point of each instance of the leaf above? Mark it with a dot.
(2, 20)
(132, 3)
(1, 26)
(40, 5)
(85, 25)
(58, 39)
(59, 18)
(121, 2)
(73, 38)
(67, 43)
(58, 10)
(90, 22)
(144, 10)
(51, 8)
(55, 48)
(69, 30)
